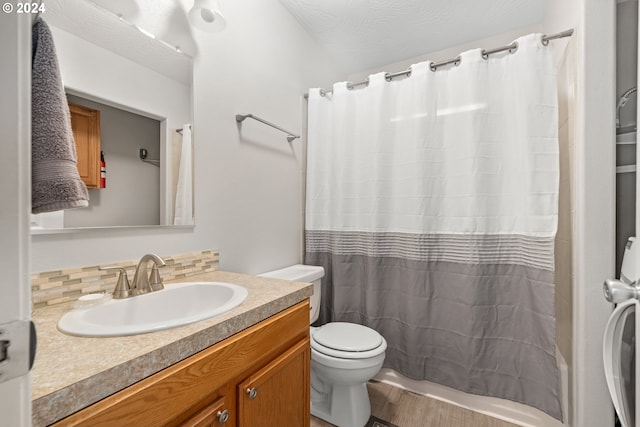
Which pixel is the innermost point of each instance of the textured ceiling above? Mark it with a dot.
(359, 34)
(365, 34)
(97, 22)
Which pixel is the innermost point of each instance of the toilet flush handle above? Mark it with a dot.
(252, 393)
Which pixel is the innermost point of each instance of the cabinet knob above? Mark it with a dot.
(252, 393)
(223, 416)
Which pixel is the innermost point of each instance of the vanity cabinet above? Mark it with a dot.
(85, 124)
(258, 377)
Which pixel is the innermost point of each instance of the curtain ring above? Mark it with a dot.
(514, 49)
(349, 86)
(544, 40)
(484, 54)
(387, 77)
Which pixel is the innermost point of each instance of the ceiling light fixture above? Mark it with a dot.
(205, 15)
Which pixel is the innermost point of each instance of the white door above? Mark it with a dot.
(15, 202)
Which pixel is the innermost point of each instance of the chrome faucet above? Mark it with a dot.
(143, 282)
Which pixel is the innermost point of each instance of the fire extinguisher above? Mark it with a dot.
(103, 171)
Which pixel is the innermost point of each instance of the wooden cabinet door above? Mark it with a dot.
(217, 414)
(278, 394)
(85, 123)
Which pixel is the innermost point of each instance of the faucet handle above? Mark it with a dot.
(122, 289)
(155, 281)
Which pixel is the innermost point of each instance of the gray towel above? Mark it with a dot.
(55, 181)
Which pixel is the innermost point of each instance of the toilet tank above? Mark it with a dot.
(303, 273)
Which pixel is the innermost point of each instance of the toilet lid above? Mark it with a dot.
(348, 337)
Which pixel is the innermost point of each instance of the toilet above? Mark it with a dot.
(344, 356)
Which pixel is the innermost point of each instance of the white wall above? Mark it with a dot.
(248, 177)
(248, 201)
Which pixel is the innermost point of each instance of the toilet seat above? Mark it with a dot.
(347, 341)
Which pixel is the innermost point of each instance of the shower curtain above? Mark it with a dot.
(432, 205)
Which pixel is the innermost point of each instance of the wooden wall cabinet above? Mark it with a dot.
(85, 124)
(256, 378)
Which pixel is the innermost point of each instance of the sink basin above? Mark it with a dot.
(176, 305)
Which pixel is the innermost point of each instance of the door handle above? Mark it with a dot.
(616, 291)
(17, 349)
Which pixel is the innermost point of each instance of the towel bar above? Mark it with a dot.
(143, 156)
(241, 117)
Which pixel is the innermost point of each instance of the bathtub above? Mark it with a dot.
(506, 410)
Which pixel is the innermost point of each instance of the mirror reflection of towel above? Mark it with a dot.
(55, 180)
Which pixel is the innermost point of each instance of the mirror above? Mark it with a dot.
(141, 88)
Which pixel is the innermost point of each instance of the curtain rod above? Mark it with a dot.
(456, 61)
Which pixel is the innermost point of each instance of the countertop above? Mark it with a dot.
(71, 373)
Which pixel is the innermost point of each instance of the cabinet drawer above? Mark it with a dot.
(217, 414)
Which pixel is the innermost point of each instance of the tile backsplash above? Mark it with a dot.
(59, 286)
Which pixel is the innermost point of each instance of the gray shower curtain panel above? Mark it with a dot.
(485, 328)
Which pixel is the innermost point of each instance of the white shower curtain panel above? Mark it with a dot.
(432, 204)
